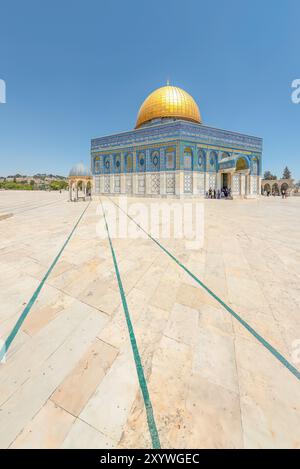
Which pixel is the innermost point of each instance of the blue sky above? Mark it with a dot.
(80, 69)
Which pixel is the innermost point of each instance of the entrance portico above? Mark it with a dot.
(236, 175)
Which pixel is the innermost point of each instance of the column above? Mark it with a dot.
(219, 181)
(201, 184)
(259, 179)
(249, 185)
(111, 184)
(123, 183)
(135, 188)
(195, 176)
(243, 185)
(179, 183)
(207, 183)
(148, 184)
(122, 163)
(162, 177)
(101, 185)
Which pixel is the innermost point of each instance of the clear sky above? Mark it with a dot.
(81, 69)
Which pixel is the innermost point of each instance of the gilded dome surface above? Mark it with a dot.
(168, 101)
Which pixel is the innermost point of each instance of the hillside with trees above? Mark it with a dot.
(36, 182)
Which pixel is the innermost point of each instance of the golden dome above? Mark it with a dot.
(168, 101)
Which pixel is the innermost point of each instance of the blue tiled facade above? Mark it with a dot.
(172, 146)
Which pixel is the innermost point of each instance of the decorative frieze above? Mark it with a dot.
(176, 158)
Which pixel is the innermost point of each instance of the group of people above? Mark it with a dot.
(283, 194)
(224, 193)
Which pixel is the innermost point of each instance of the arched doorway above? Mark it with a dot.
(188, 159)
(225, 181)
(285, 188)
(241, 165)
(240, 180)
(275, 189)
(267, 189)
(89, 189)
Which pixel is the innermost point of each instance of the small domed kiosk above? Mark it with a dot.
(80, 183)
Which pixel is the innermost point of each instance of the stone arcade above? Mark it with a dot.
(80, 183)
(171, 153)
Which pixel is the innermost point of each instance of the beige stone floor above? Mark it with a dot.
(69, 379)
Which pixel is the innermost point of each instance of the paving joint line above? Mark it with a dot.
(36, 293)
(247, 326)
(136, 355)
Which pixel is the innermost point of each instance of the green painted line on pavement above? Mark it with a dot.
(252, 331)
(137, 359)
(31, 302)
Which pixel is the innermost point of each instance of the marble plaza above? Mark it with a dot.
(69, 378)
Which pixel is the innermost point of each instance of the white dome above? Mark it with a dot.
(79, 170)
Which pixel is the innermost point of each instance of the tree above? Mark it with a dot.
(287, 173)
(269, 176)
(58, 185)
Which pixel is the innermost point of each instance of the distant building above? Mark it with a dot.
(276, 186)
(80, 183)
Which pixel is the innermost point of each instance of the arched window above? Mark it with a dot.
(213, 158)
(106, 163)
(201, 158)
(170, 158)
(155, 159)
(117, 163)
(129, 162)
(97, 164)
(188, 158)
(142, 161)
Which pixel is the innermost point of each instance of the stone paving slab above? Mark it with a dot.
(70, 380)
